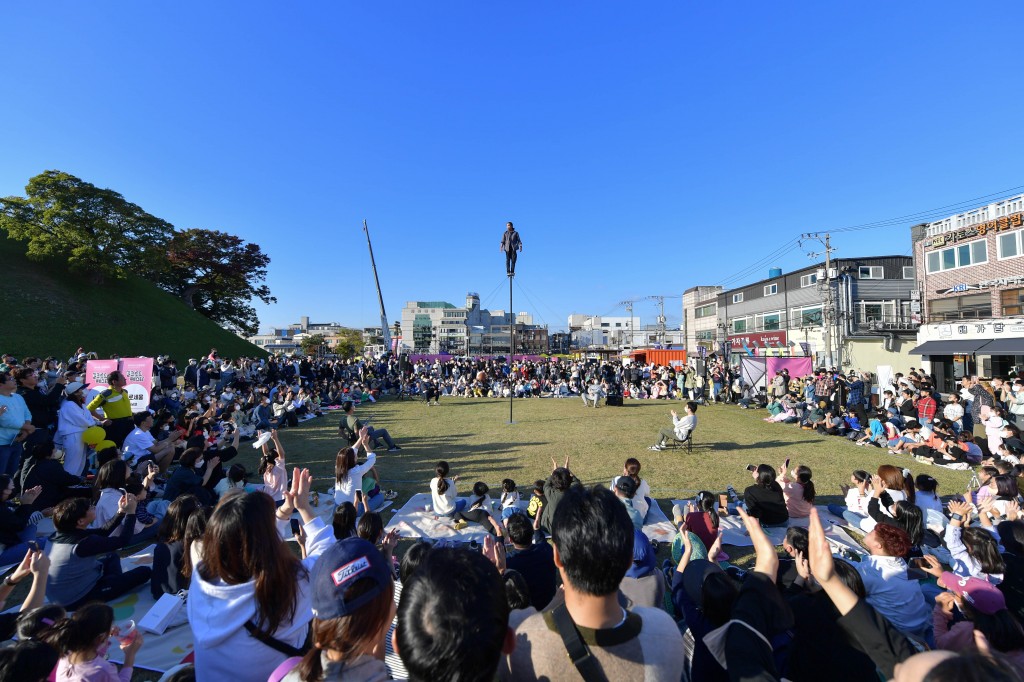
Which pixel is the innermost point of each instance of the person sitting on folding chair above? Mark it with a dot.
(682, 427)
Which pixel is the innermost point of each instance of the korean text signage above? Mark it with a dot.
(987, 284)
(137, 371)
(757, 340)
(1006, 222)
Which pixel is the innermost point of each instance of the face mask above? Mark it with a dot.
(200, 462)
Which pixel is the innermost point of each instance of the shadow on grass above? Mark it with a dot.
(728, 446)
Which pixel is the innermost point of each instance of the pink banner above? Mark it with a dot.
(797, 367)
(137, 371)
(96, 372)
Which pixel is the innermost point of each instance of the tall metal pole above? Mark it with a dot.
(385, 332)
(511, 349)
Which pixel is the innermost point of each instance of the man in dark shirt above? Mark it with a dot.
(43, 406)
(534, 560)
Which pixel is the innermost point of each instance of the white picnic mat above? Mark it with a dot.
(735, 533)
(325, 511)
(657, 526)
(414, 521)
(159, 652)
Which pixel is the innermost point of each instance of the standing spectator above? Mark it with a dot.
(117, 409)
(42, 405)
(926, 408)
(593, 541)
(15, 425)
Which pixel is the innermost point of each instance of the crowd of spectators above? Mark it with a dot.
(565, 588)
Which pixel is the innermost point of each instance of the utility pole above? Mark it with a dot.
(828, 313)
(661, 317)
(629, 309)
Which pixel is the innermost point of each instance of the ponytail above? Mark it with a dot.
(706, 505)
(442, 482)
(908, 485)
(80, 631)
(803, 477)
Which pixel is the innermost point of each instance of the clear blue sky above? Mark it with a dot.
(640, 148)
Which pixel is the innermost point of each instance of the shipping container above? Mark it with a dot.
(657, 356)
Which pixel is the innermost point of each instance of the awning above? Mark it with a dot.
(963, 347)
(1005, 347)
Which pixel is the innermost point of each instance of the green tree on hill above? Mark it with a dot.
(217, 274)
(99, 232)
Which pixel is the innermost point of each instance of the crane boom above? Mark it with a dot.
(384, 331)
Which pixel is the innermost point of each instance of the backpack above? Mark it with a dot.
(347, 432)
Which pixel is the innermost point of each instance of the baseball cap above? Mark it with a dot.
(626, 486)
(345, 563)
(72, 387)
(983, 595)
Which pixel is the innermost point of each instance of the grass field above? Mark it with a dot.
(474, 436)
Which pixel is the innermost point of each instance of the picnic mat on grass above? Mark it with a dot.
(325, 511)
(414, 521)
(735, 533)
(159, 652)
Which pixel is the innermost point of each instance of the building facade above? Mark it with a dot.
(597, 331)
(970, 269)
(854, 315)
(289, 339)
(439, 327)
(700, 319)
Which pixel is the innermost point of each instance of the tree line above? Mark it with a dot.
(103, 236)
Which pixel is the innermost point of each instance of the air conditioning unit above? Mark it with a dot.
(821, 274)
(833, 273)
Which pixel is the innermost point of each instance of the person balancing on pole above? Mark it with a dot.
(510, 244)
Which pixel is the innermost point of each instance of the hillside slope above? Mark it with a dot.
(45, 310)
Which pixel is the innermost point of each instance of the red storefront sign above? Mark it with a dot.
(757, 340)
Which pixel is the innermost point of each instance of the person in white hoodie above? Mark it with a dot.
(249, 603)
(72, 420)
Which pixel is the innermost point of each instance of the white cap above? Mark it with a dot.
(73, 387)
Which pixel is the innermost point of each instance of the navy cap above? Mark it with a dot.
(345, 563)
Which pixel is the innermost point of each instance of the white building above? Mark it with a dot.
(700, 319)
(439, 327)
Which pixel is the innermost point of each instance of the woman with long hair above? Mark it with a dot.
(169, 551)
(798, 491)
(764, 499)
(250, 596)
(348, 475)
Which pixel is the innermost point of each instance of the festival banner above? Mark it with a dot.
(137, 371)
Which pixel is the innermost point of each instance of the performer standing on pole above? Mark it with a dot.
(510, 244)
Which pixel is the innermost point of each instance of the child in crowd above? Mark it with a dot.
(442, 492)
(509, 498)
(642, 496)
(798, 491)
(857, 495)
(272, 469)
(536, 499)
(84, 639)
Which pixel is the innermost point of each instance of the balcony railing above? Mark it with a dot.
(954, 315)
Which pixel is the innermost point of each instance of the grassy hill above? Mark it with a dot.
(48, 311)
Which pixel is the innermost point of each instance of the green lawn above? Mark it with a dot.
(474, 436)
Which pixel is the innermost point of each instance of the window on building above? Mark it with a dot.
(739, 325)
(709, 310)
(618, 324)
(868, 312)
(908, 272)
(606, 324)
(1009, 245)
(960, 256)
(870, 272)
(807, 317)
(771, 289)
(973, 306)
(704, 335)
(768, 321)
(1012, 301)
(737, 298)
(808, 280)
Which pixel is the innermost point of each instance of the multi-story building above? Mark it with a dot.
(855, 314)
(288, 339)
(700, 319)
(439, 327)
(597, 331)
(970, 270)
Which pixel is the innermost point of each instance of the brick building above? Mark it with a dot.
(970, 271)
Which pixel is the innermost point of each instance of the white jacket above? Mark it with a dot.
(217, 613)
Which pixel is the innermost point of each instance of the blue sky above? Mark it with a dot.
(640, 148)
